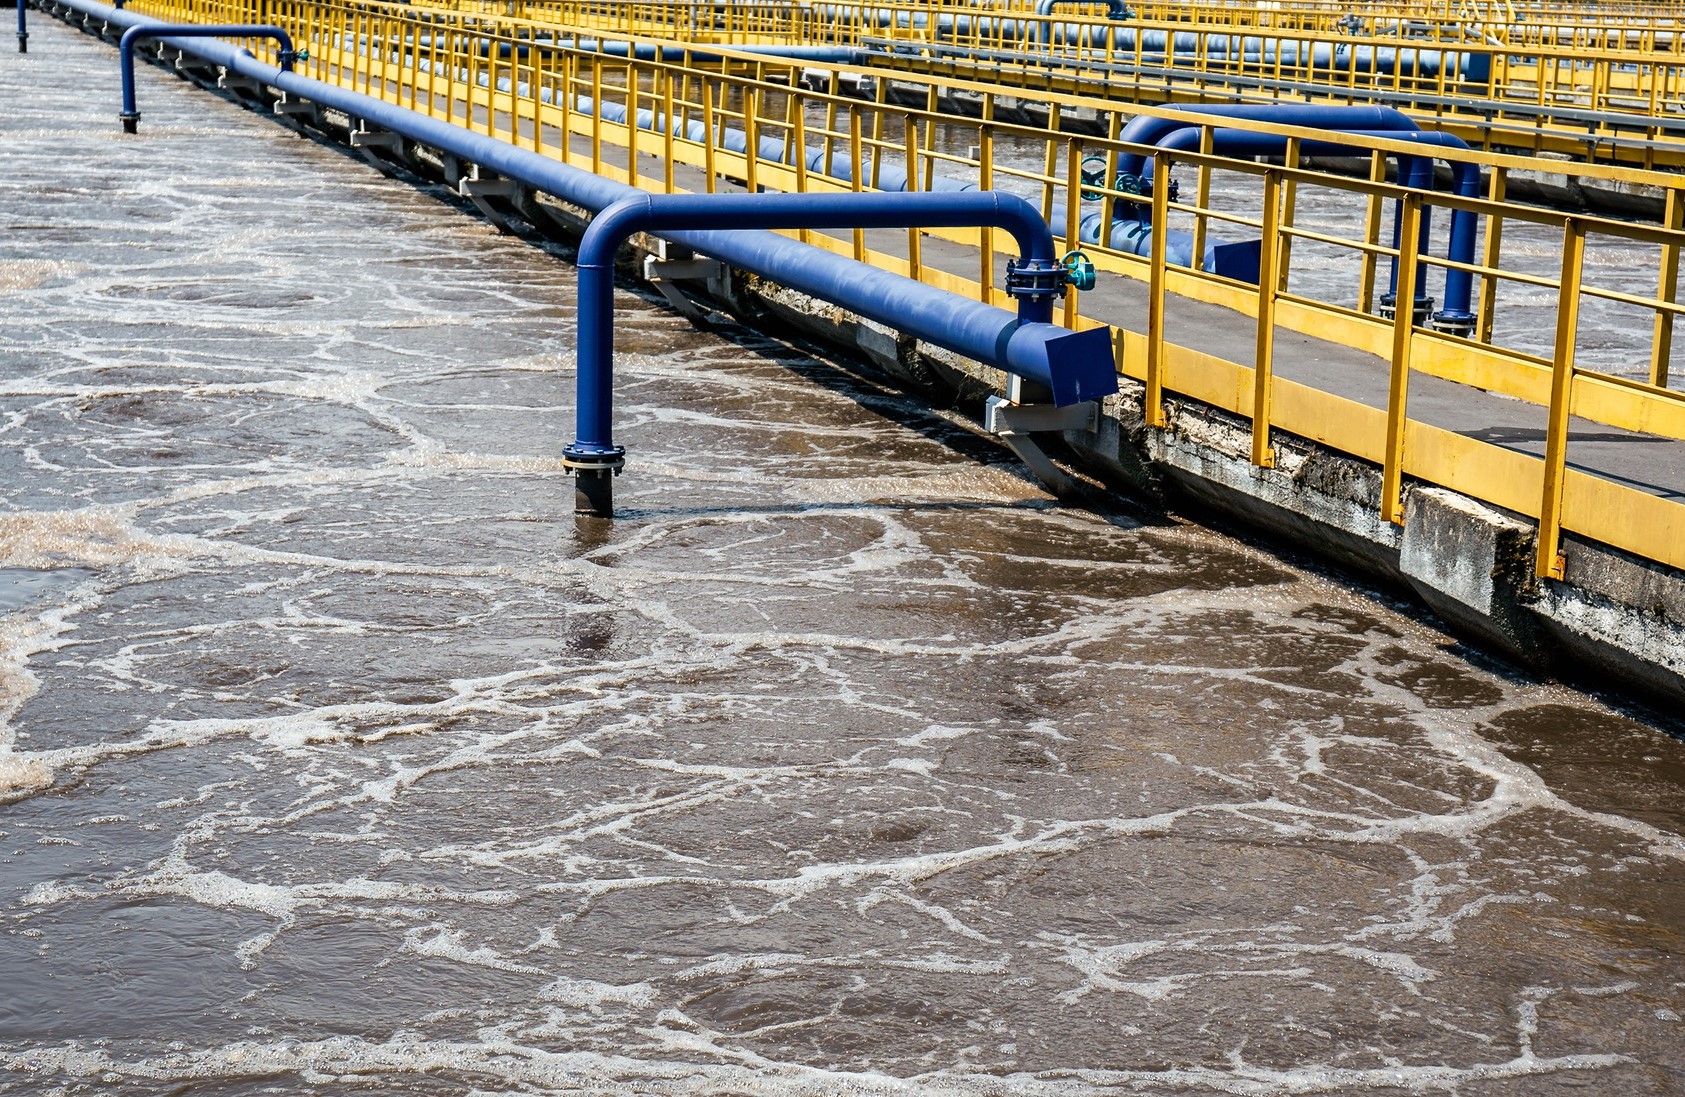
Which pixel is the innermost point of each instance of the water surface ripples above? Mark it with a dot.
(847, 762)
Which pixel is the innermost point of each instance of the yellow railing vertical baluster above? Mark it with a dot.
(1492, 254)
(668, 123)
(710, 126)
(1072, 229)
(535, 89)
(632, 127)
(986, 181)
(928, 179)
(1114, 129)
(752, 137)
(1050, 163)
(596, 115)
(857, 171)
(1403, 333)
(1667, 287)
(833, 90)
(569, 79)
(798, 150)
(1154, 400)
(1289, 203)
(881, 97)
(1550, 562)
(1269, 277)
(1371, 233)
(910, 137)
(1202, 192)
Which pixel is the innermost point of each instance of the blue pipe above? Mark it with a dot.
(594, 454)
(1415, 172)
(23, 26)
(1076, 366)
(173, 34)
(1147, 130)
(1173, 47)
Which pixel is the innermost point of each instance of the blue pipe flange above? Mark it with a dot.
(1035, 279)
(584, 457)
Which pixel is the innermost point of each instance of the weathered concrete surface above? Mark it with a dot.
(1615, 621)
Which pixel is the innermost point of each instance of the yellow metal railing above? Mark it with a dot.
(505, 78)
(1597, 91)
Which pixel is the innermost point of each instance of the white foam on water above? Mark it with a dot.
(695, 1064)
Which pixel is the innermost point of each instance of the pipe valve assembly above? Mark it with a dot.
(1073, 366)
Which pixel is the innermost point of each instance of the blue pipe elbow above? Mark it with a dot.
(175, 34)
(1074, 369)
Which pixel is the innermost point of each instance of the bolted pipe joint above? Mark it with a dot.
(593, 468)
(1036, 283)
(1420, 312)
(1459, 322)
(130, 120)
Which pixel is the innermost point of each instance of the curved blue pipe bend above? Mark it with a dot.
(664, 212)
(1077, 366)
(175, 34)
(1415, 172)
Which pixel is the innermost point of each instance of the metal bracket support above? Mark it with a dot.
(478, 189)
(662, 273)
(371, 143)
(287, 105)
(1015, 423)
(452, 168)
(233, 81)
(362, 138)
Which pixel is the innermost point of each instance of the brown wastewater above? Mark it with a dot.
(336, 757)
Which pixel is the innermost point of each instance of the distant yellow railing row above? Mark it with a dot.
(1584, 92)
(508, 79)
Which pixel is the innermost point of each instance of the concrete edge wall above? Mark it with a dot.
(1616, 619)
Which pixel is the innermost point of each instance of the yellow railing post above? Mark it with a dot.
(1154, 400)
(1398, 385)
(1289, 203)
(857, 169)
(881, 98)
(910, 136)
(986, 181)
(797, 145)
(1072, 229)
(1550, 563)
(1491, 255)
(711, 142)
(632, 129)
(1202, 192)
(1661, 342)
(596, 117)
(1269, 278)
(752, 137)
(668, 124)
(1371, 232)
